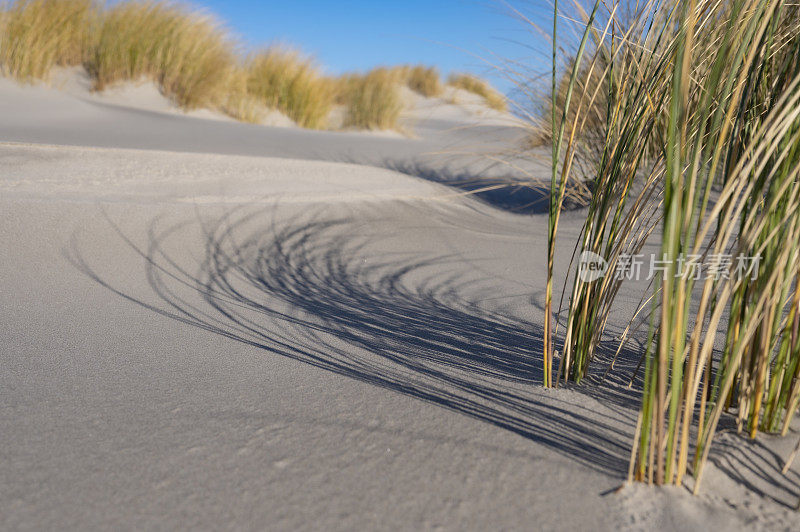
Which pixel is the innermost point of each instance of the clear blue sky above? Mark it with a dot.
(359, 34)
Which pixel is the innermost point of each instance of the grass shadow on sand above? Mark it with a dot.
(309, 290)
(752, 464)
(303, 290)
(513, 194)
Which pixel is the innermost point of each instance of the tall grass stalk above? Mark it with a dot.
(751, 148)
(702, 133)
(619, 218)
(558, 183)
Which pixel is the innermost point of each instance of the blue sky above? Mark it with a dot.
(357, 34)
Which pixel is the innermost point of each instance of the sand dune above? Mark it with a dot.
(217, 325)
(136, 116)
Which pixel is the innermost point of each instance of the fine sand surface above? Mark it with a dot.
(222, 326)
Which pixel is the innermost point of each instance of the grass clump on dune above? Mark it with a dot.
(187, 54)
(283, 79)
(475, 85)
(239, 103)
(37, 35)
(424, 80)
(701, 139)
(372, 100)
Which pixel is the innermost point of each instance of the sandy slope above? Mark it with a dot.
(441, 133)
(254, 338)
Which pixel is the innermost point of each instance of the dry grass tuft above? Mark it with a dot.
(372, 100)
(475, 85)
(37, 35)
(187, 54)
(239, 103)
(423, 80)
(283, 79)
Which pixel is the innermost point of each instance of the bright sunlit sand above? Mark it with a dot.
(248, 290)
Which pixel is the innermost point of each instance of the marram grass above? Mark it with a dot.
(187, 54)
(702, 121)
(481, 87)
(424, 80)
(285, 80)
(37, 35)
(239, 103)
(372, 100)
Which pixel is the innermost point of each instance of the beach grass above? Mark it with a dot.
(188, 54)
(239, 103)
(700, 141)
(481, 87)
(372, 100)
(284, 79)
(37, 35)
(423, 80)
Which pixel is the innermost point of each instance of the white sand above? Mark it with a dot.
(255, 338)
(90, 174)
(456, 106)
